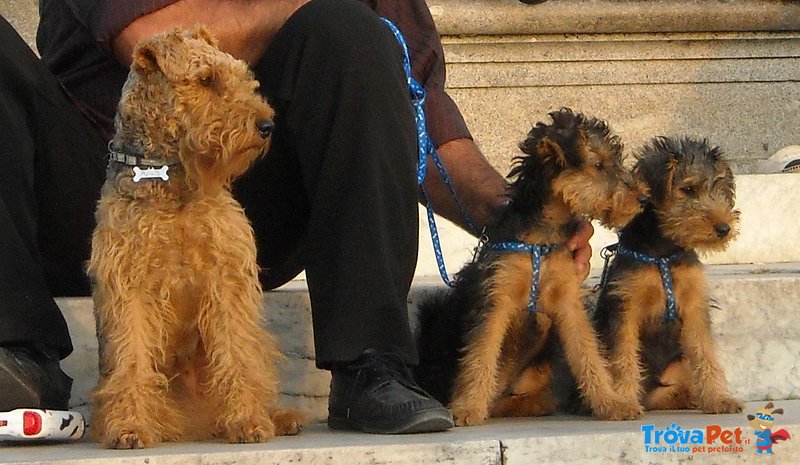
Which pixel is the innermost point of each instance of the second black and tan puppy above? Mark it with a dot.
(653, 312)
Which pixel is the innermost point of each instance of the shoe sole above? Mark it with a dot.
(431, 421)
(16, 390)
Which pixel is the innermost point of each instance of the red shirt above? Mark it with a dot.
(74, 40)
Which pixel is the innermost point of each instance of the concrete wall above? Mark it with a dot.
(728, 71)
(23, 15)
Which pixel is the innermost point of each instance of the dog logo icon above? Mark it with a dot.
(762, 422)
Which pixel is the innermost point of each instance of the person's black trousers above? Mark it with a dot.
(51, 170)
(337, 192)
(335, 195)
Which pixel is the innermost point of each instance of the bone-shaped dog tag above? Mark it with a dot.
(147, 173)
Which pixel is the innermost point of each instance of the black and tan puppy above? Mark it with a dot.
(476, 342)
(653, 312)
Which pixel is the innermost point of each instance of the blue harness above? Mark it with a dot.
(537, 252)
(663, 264)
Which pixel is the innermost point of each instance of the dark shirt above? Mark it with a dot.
(75, 36)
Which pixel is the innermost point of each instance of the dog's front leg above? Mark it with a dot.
(477, 384)
(131, 407)
(241, 378)
(561, 299)
(626, 368)
(707, 374)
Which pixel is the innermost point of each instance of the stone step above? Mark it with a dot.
(750, 326)
(553, 440)
(755, 282)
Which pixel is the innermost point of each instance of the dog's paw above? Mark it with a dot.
(619, 410)
(247, 432)
(468, 417)
(133, 440)
(722, 405)
(288, 422)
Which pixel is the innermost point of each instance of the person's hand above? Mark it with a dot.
(578, 244)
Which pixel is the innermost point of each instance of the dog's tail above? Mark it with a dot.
(440, 339)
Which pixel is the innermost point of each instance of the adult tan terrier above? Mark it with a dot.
(183, 354)
(653, 311)
(478, 341)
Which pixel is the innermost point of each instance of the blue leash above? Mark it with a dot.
(426, 149)
(537, 252)
(666, 276)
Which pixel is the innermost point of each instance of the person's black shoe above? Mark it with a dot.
(30, 377)
(377, 394)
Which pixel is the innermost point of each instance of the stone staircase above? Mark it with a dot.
(755, 283)
(726, 70)
(550, 440)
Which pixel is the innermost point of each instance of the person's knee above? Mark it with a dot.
(352, 33)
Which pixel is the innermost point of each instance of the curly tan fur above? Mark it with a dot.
(183, 353)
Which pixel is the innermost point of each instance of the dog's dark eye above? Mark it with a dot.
(600, 166)
(206, 81)
(689, 191)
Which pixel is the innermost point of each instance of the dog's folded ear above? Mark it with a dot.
(552, 152)
(151, 53)
(145, 57)
(656, 163)
(155, 53)
(562, 137)
(201, 32)
(548, 144)
(672, 164)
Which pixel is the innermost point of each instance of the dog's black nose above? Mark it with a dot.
(643, 199)
(265, 127)
(722, 229)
